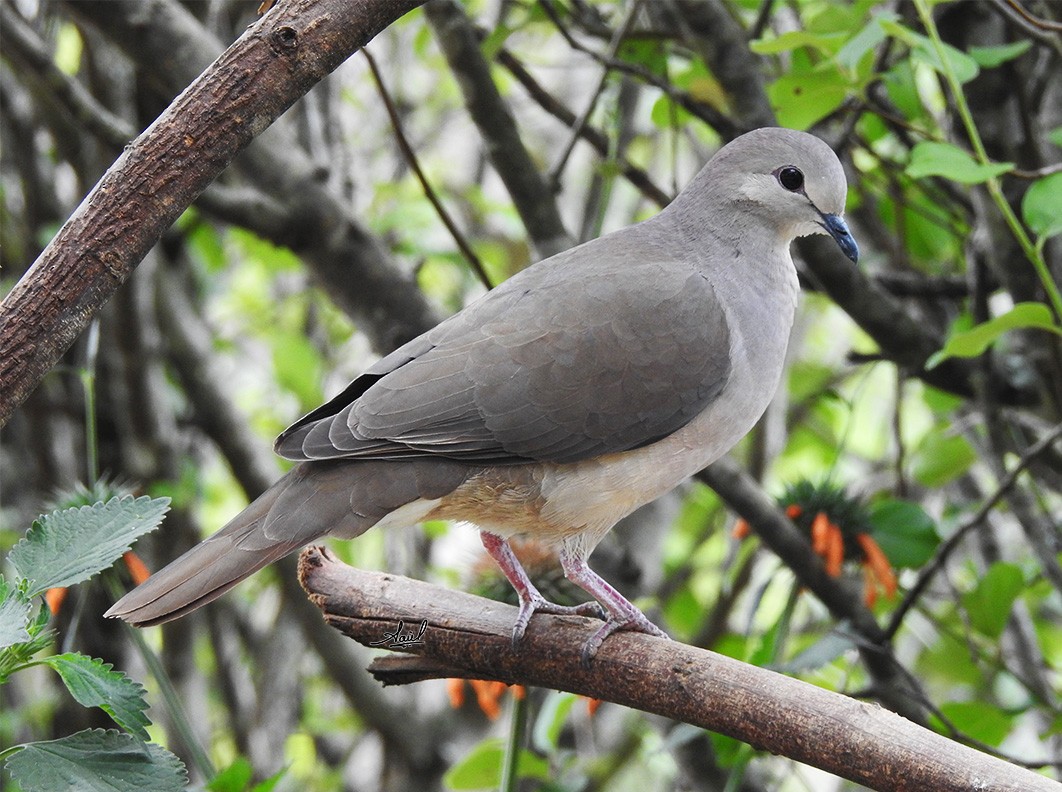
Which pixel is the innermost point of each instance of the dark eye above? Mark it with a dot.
(791, 178)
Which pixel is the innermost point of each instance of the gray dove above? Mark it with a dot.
(556, 404)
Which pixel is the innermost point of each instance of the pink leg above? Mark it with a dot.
(531, 599)
(622, 613)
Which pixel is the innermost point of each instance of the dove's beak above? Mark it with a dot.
(837, 228)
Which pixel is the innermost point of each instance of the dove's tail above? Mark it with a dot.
(314, 499)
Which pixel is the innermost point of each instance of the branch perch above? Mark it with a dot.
(158, 175)
(470, 636)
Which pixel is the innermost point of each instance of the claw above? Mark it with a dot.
(637, 623)
(535, 602)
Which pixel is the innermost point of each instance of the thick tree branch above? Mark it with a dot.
(349, 262)
(470, 636)
(530, 193)
(276, 60)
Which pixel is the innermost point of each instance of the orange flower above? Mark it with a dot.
(741, 529)
(876, 569)
(54, 598)
(137, 569)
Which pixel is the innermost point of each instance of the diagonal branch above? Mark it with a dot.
(158, 175)
(470, 636)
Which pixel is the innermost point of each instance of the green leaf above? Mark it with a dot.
(978, 719)
(551, 720)
(790, 40)
(865, 40)
(72, 545)
(990, 57)
(974, 342)
(962, 65)
(298, 367)
(95, 760)
(481, 769)
(234, 778)
(929, 158)
(1041, 206)
(94, 683)
(1055, 136)
(15, 611)
(905, 533)
(801, 99)
(989, 605)
(238, 777)
(940, 458)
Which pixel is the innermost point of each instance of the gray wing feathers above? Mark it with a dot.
(584, 354)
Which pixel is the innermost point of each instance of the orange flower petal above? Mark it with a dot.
(741, 529)
(53, 598)
(137, 569)
(519, 692)
(834, 551)
(487, 695)
(455, 689)
(793, 510)
(878, 563)
(820, 530)
(591, 706)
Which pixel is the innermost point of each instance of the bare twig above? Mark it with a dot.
(414, 163)
(470, 636)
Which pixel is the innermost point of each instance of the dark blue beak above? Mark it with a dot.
(838, 229)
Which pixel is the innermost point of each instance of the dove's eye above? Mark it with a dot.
(791, 178)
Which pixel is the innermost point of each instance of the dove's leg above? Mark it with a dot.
(622, 613)
(531, 599)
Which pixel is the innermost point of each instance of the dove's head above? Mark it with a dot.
(791, 180)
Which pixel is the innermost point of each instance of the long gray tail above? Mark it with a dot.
(314, 499)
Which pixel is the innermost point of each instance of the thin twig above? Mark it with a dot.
(934, 566)
(617, 39)
(414, 163)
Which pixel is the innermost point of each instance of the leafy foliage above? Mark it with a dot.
(920, 395)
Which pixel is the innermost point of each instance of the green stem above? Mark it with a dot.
(88, 383)
(178, 716)
(517, 728)
(1032, 252)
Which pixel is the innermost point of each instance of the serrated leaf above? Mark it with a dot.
(930, 158)
(94, 683)
(15, 611)
(904, 532)
(974, 342)
(1041, 206)
(989, 605)
(95, 760)
(990, 57)
(72, 545)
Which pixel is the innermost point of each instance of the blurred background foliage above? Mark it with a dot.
(922, 404)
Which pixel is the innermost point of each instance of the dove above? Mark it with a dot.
(559, 402)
